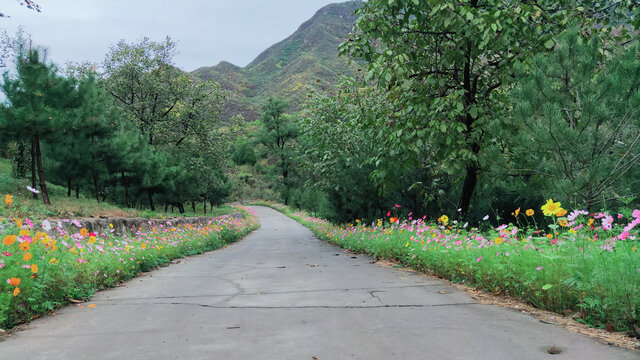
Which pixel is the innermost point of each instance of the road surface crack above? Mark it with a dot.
(376, 296)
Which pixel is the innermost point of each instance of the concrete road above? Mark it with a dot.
(283, 294)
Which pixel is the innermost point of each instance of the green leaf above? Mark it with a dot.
(549, 43)
(473, 112)
(546, 287)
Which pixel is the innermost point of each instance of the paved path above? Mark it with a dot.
(283, 294)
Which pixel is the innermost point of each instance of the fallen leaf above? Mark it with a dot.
(91, 305)
(76, 301)
(442, 292)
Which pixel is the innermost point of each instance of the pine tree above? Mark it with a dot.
(39, 100)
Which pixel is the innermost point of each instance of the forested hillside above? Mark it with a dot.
(308, 57)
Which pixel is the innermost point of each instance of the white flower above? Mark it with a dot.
(35, 191)
(485, 218)
(46, 225)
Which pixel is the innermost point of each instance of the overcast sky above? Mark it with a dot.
(206, 31)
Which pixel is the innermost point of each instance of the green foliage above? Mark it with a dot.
(446, 64)
(577, 133)
(243, 152)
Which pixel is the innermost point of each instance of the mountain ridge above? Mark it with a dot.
(309, 56)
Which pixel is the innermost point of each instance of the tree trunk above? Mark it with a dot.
(172, 208)
(193, 206)
(77, 192)
(68, 187)
(166, 207)
(43, 183)
(150, 194)
(33, 167)
(204, 205)
(181, 208)
(94, 176)
(470, 181)
(125, 183)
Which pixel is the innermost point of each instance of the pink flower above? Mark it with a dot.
(479, 258)
(398, 206)
(636, 214)
(623, 235)
(6, 253)
(81, 260)
(539, 268)
(619, 216)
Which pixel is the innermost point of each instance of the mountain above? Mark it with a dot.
(308, 57)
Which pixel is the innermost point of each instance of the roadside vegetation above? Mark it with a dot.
(43, 267)
(576, 263)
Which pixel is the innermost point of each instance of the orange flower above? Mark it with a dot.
(530, 212)
(549, 236)
(498, 240)
(27, 257)
(25, 246)
(9, 240)
(8, 199)
(84, 232)
(561, 212)
(14, 281)
(18, 222)
(16, 291)
(34, 268)
(393, 219)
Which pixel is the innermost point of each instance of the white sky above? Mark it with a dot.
(206, 31)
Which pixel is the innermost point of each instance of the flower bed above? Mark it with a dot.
(41, 272)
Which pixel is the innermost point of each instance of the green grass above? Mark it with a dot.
(590, 270)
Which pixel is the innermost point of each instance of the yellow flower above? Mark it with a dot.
(590, 222)
(517, 212)
(549, 236)
(24, 232)
(444, 219)
(26, 256)
(92, 239)
(634, 248)
(530, 212)
(34, 268)
(498, 240)
(16, 291)
(53, 261)
(9, 240)
(18, 222)
(8, 199)
(551, 208)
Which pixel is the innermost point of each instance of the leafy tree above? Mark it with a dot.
(278, 133)
(243, 152)
(144, 83)
(578, 113)
(446, 65)
(39, 101)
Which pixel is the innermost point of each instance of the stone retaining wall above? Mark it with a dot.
(126, 225)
